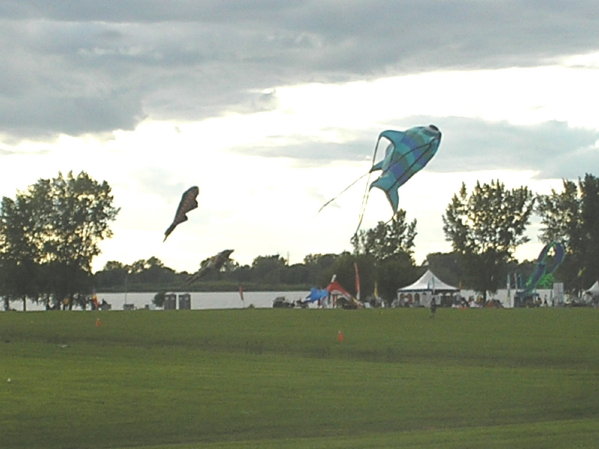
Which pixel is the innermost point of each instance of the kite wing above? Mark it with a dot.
(408, 153)
(545, 264)
(188, 203)
(215, 263)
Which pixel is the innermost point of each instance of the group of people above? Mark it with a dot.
(95, 305)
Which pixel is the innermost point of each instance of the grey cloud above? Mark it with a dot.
(4, 152)
(89, 66)
(318, 153)
(74, 115)
(553, 148)
(170, 187)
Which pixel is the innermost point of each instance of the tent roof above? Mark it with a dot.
(429, 282)
(336, 288)
(594, 290)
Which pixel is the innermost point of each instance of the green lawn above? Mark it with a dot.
(525, 378)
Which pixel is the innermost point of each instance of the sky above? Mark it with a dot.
(273, 107)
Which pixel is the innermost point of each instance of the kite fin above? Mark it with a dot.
(170, 229)
(387, 187)
(393, 198)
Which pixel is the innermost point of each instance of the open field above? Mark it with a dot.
(269, 378)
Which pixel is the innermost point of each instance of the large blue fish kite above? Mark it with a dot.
(408, 152)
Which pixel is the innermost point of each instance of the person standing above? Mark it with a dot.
(433, 307)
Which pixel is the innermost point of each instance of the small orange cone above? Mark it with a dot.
(340, 337)
(98, 322)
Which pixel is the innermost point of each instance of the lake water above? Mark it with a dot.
(199, 300)
(232, 300)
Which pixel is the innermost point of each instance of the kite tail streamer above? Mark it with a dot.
(363, 208)
(367, 191)
(342, 192)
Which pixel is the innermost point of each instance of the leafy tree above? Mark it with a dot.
(228, 267)
(387, 239)
(590, 229)
(343, 268)
(485, 228)
(114, 274)
(295, 274)
(319, 268)
(241, 274)
(390, 247)
(19, 252)
(572, 217)
(269, 269)
(159, 298)
(152, 270)
(141, 275)
(54, 229)
(394, 272)
(448, 267)
(74, 214)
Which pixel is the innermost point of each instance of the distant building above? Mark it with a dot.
(170, 301)
(184, 301)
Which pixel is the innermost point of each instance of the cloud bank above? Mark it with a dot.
(90, 67)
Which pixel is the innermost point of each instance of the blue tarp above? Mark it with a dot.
(316, 294)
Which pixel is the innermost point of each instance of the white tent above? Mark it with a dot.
(424, 289)
(594, 290)
(429, 282)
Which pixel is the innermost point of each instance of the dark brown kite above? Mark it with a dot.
(188, 202)
(215, 263)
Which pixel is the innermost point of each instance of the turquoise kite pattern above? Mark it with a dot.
(546, 264)
(408, 153)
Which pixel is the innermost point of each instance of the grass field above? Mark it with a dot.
(281, 379)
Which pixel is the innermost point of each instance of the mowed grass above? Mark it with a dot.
(281, 379)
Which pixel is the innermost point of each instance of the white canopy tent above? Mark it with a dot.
(421, 292)
(594, 290)
(591, 295)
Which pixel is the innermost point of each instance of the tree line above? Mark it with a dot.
(382, 254)
(50, 233)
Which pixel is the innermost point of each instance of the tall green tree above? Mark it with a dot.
(390, 247)
(485, 227)
(63, 221)
(146, 271)
(269, 269)
(387, 239)
(571, 216)
(114, 275)
(344, 271)
(319, 268)
(448, 267)
(20, 253)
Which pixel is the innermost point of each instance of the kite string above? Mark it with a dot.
(363, 207)
(367, 189)
(340, 193)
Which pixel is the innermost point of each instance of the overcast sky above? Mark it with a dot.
(272, 107)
